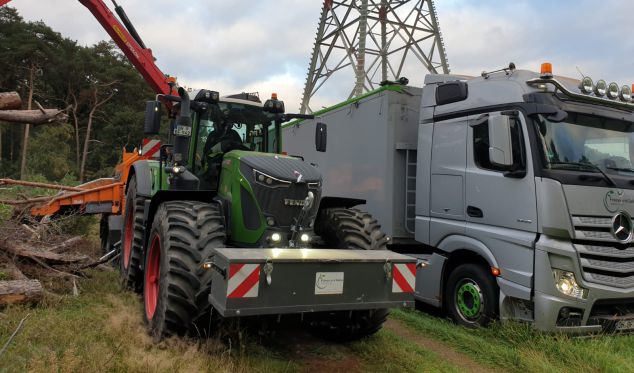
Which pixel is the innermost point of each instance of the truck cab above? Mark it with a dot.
(516, 195)
(533, 173)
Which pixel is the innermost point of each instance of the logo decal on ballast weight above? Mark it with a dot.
(329, 283)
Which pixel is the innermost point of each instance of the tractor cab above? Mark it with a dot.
(236, 122)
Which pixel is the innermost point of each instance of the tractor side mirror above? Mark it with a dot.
(152, 124)
(500, 141)
(321, 137)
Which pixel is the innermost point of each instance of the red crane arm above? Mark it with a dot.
(141, 58)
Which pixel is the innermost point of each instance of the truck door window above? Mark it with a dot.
(481, 145)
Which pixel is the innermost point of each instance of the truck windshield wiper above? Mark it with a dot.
(590, 166)
(624, 169)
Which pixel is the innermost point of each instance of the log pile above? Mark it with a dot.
(28, 255)
(10, 104)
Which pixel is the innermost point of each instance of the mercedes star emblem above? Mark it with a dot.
(622, 227)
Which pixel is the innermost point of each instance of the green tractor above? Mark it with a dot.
(224, 183)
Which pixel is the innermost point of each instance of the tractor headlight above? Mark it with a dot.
(276, 237)
(305, 237)
(567, 284)
(269, 181)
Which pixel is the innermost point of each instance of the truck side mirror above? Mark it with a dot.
(152, 124)
(500, 148)
(321, 137)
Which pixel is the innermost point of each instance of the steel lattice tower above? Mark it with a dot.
(374, 39)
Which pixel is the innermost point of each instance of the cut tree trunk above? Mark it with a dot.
(24, 251)
(33, 116)
(20, 291)
(64, 246)
(10, 101)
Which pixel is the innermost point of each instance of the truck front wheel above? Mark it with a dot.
(471, 296)
(176, 286)
(354, 230)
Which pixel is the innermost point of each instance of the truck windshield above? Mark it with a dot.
(587, 142)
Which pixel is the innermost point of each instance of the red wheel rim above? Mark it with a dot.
(127, 239)
(152, 275)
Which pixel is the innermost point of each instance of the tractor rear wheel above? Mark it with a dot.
(132, 239)
(354, 230)
(176, 286)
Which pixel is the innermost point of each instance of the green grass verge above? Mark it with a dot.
(518, 347)
(102, 330)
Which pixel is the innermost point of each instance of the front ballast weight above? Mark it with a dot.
(250, 282)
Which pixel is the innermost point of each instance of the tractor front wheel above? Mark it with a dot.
(354, 230)
(176, 286)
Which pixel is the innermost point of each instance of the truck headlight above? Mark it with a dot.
(566, 283)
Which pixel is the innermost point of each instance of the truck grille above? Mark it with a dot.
(603, 259)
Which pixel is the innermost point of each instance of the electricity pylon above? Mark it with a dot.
(375, 39)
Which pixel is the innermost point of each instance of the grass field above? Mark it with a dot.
(102, 330)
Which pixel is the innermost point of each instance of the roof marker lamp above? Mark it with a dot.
(613, 91)
(601, 88)
(586, 85)
(626, 93)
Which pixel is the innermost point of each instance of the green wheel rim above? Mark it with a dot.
(469, 299)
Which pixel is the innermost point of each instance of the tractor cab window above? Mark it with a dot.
(234, 126)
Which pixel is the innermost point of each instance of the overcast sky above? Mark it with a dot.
(246, 45)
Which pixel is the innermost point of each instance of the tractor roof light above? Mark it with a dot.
(613, 91)
(600, 88)
(586, 86)
(546, 70)
(626, 93)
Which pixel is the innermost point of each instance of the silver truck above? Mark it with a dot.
(514, 190)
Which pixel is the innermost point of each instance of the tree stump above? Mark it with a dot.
(20, 291)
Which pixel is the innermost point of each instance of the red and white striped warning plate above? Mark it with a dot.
(151, 148)
(403, 278)
(244, 280)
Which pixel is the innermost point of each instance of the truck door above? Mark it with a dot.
(500, 205)
(448, 163)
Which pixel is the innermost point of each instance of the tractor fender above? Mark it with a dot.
(141, 169)
(344, 202)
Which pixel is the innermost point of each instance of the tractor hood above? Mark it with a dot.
(283, 168)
